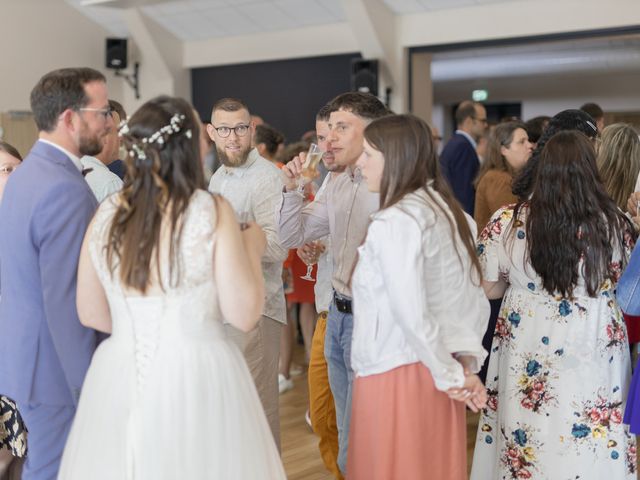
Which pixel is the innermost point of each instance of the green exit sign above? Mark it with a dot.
(479, 95)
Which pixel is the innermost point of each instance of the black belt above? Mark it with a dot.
(342, 304)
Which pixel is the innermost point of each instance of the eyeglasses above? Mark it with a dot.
(105, 112)
(224, 132)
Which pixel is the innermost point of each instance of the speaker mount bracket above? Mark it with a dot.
(132, 79)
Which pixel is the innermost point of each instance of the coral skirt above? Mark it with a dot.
(402, 427)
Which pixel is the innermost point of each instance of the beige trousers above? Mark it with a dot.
(261, 350)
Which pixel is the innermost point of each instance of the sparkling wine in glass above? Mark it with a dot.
(310, 167)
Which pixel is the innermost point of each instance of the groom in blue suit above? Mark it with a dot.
(45, 211)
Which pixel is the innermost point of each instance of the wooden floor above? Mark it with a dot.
(300, 446)
(300, 453)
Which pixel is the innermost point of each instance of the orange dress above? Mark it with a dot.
(303, 291)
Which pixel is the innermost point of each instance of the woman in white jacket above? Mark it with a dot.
(419, 315)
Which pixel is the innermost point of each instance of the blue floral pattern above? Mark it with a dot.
(558, 373)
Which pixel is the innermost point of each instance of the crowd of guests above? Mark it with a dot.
(152, 324)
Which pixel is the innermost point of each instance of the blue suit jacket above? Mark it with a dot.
(460, 164)
(45, 211)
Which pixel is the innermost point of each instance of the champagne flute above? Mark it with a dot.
(309, 168)
(308, 276)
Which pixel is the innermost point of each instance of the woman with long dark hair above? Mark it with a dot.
(419, 315)
(559, 368)
(163, 264)
(566, 120)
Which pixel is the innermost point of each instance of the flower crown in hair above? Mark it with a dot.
(158, 136)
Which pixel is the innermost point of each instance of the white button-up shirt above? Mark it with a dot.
(415, 297)
(255, 188)
(102, 181)
(342, 211)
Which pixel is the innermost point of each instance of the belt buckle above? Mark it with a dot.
(342, 304)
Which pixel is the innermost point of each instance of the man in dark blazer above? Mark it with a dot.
(47, 206)
(459, 159)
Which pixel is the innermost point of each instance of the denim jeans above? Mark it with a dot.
(337, 350)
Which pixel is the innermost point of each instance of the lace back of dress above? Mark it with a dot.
(145, 318)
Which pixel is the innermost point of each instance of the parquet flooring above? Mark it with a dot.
(300, 446)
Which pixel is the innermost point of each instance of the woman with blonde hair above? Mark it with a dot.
(619, 161)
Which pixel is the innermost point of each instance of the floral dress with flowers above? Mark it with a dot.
(558, 374)
(13, 434)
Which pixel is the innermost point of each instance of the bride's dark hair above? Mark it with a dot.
(163, 172)
(571, 218)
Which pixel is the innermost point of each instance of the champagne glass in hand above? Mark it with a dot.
(310, 166)
(310, 263)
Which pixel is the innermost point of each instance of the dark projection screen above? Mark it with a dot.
(287, 93)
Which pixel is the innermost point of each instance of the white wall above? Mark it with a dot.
(548, 95)
(515, 19)
(39, 36)
(311, 41)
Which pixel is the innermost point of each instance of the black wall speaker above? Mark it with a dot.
(117, 53)
(364, 76)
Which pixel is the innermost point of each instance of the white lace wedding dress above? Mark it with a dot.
(167, 396)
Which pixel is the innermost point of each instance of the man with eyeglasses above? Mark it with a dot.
(459, 159)
(253, 185)
(45, 211)
(102, 181)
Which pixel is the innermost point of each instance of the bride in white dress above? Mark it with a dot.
(167, 396)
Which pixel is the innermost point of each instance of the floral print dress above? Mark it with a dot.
(13, 434)
(558, 374)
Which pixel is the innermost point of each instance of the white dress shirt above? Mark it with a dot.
(342, 211)
(256, 188)
(415, 298)
(102, 181)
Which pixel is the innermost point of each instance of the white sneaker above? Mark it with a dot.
(284, 383)
(307, 418)
(296, 370)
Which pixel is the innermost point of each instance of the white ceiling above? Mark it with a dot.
(415, 6)
(201, 19)
(192, 20)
